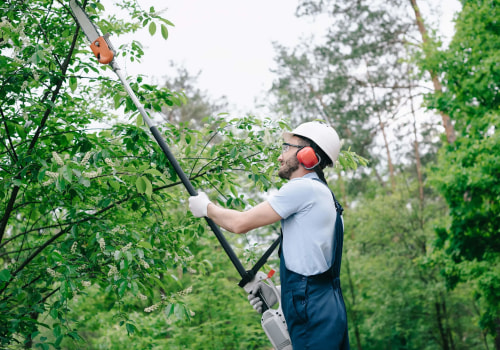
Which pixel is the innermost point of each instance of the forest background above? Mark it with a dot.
(97, 248)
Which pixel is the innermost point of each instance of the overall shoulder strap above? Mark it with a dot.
(338, 237)
(339, 208)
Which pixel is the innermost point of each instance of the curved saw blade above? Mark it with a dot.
(90, 30)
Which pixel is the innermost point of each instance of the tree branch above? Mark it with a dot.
(55, 94)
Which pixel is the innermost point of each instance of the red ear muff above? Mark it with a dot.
(307, 157)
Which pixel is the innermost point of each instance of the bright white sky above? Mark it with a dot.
(230, 42)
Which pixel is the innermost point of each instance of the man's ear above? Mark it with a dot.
(308, 158)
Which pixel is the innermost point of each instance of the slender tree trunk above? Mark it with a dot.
(497, 335)
(353, 313)
(343, 193)
(418, 161)
(448, 126)
(441, 328)
(381, 124)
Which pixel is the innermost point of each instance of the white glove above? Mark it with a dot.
(267, 293)
(199, 204)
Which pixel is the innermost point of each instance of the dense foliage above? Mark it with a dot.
(469, 170)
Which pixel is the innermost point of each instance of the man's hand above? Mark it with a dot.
(199, 204)
(267, 293)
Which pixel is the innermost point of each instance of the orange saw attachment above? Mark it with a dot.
(101, 50)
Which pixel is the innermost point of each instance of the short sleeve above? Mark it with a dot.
(290, 198)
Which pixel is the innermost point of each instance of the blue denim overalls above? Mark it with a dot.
(313, 306)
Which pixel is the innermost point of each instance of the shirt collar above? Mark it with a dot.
(311, 175)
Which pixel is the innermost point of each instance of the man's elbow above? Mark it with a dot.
(240, 228)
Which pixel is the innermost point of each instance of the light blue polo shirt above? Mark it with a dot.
(308, 212)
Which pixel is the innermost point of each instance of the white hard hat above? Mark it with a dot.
(323, 135)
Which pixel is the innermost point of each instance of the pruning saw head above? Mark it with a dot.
(99, 44)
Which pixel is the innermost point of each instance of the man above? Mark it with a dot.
(312, 237)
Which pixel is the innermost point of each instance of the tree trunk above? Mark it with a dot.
(418, 161)
(448, 126)
(353, 313)
(440, 322)
(497, 335)
(381, 124)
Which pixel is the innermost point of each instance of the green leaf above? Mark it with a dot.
(164, 31)
(169, 310)
(167, 22)
(57, 330)
(144, 244)
(130, 328)
(74, 335)
(117, 99)
(139, 121)
(73, 82)
(140, 184)
(153, 172)
(20, 131)
(5, 275)
(152, 28)
(114, 184)
(67, 173)
(149, 188)
(122, 288)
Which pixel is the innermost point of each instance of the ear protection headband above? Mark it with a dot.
(308, 158)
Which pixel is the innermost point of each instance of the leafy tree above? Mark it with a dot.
(84, 209)
(394, 291)
(468, 171)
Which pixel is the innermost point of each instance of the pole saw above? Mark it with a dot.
(273, 321)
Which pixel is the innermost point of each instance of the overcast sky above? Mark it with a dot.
(230, 42)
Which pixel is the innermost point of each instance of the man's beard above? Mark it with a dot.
(288, 168)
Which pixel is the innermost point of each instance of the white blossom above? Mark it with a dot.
(81, 267)
(102, 244)
(112, 271)
(48, 182)
(152, 307)
(52, 272)
(185, 292)
(144, 264)
(86, 158)
(52, 174)
(127, 247)
(109, 162)
(57, 158)
(91, 174)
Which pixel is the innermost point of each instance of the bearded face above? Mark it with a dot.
(288, 167)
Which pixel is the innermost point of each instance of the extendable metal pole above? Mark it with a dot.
(182, 176)
(103, 51)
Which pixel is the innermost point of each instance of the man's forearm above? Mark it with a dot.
(228, 219)
(242, 221)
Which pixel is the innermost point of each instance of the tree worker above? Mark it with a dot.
(311, 241)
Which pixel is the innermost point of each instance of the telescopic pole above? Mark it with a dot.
(175, 164)
(102, 49)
